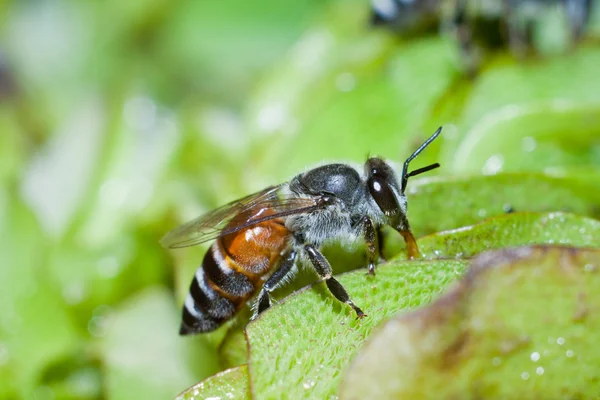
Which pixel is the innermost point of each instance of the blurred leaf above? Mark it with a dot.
(521, 324)
(569, 79)
(233, 350)
(228, 384)
(11, 144)
(537, 136)
(35, 327)
(141, 145)
(344, 107)
(52, 187)
(441, 204)
(144, 356)
(300, 346)
(221, 46)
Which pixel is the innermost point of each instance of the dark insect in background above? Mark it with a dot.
(492, 22)
(261, 238)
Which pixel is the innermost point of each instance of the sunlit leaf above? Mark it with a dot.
(300, 346)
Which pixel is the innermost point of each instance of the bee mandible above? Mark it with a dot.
(260, 238)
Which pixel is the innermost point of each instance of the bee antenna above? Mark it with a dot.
(405, 173)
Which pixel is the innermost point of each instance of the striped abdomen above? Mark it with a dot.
(231, 273)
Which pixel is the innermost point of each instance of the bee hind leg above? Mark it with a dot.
(323, 269)
(263, 301)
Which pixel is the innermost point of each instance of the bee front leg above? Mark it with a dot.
(264, 298)
(373, 245)
(411, 244)
(323, 269)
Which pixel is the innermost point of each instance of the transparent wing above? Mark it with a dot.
(237, 215)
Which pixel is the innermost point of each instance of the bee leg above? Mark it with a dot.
(372, 241)
(264, 298)
(323, 269)
(411, 244)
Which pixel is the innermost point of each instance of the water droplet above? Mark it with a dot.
(560, 341)
(496, 361)
(539, 370)
(535, 356)
(570, 353)
(345, 82)
(493, 165)
(524, 376)
(214, 398)
(528, 144)
(482, 212)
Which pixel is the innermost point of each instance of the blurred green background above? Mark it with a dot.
(121, 119)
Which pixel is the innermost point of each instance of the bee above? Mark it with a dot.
(411, 17)
(260, 238)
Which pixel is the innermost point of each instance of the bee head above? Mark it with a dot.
(387, 191)
(384, 189)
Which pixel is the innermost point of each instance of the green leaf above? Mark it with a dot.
(441, 204)
(511, 230)
(228, 384)
(282, 342)
(521, 324)
(300, 346)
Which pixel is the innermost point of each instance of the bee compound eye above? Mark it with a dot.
(384, 196)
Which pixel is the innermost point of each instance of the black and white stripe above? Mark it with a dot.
(205, 309)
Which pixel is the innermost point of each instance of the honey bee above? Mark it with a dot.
(261, 237)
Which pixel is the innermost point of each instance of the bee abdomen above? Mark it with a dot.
(219, 269)
(216, 292)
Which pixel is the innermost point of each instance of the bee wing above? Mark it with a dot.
(236, 216)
